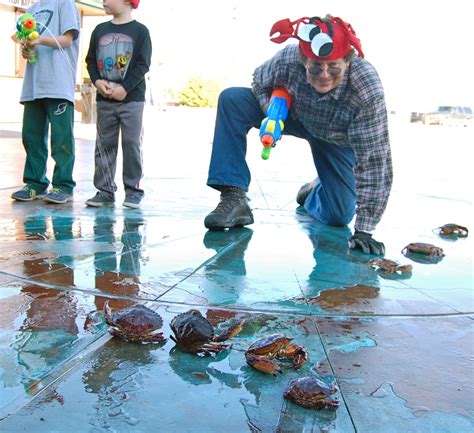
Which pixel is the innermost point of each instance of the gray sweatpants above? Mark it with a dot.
(112, 118)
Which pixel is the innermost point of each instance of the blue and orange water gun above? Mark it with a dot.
(26, 30)
(273, 125)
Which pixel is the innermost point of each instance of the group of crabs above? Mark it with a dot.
(193, 333)
(430, 252)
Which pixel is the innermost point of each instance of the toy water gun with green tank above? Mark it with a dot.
(26, 30)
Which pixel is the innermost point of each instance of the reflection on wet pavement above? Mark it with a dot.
(398, 347)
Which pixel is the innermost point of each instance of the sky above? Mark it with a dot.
(419, 47)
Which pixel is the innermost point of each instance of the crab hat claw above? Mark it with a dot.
(284, 28)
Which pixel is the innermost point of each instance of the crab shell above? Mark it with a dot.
(191, 328)
(453, 229)
(422, 248)
(311, 392)
(136, 320)
(269, 345)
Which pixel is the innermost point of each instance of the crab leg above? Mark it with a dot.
(108, 313)
(264, 365)
(154, 337)
(213, 347)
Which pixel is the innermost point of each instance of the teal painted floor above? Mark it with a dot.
(399, 349)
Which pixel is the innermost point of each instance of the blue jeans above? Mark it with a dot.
(332, 202)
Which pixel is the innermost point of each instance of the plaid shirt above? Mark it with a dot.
(351, 115)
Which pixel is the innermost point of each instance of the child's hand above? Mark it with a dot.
(28, 53)
(119, 93)
(33, 42)
(104, 88)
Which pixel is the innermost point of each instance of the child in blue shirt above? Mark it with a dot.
(48, 98)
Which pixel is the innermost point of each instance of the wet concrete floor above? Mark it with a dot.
(400, 349)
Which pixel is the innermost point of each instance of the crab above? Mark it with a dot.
(389, 266)
(421, 248)
(311, 392)
(193, 333)
(261, 353)
(136, 324)
(453, 230)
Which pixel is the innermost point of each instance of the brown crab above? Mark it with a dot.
(389, 266)
(193, 333)
(311, 392)
(136, 324)
(453, 230)
(422, 248)
(261, 353)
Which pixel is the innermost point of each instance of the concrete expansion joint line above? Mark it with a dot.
(324, 315)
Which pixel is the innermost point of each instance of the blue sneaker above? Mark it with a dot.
(132, 202)
(100, 200)
(27, 194)
(57, 196)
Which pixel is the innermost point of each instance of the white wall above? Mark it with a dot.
(8, 47)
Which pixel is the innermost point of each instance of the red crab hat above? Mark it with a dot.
(134, 3)
(319, 40)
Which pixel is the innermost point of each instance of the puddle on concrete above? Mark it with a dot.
(151, 387)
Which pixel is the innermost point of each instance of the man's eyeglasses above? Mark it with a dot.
(316, 70)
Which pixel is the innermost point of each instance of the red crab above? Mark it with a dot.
(389, 266)
(261, 353)
(453, 230)
(311, 392)
(193, 333)
(422, 248)
(136, 324)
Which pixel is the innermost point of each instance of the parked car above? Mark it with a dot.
(448, 115)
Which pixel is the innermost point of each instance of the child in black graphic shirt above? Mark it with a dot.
(118, 58)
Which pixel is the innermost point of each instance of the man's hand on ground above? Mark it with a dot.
(364, 241)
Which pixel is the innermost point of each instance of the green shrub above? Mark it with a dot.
(199, 93)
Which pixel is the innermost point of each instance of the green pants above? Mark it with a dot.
(37, 116)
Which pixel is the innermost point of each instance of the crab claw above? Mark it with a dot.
(263, 364)
(285, 28)
(230, 332)
(405, 268)
(300, 355)
(331, 403)
(212, 348)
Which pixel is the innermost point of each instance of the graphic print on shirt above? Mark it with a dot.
(114, 52)
(43, 18)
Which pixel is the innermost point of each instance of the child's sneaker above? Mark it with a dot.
(132, 202)
(57, 196)
(27, 194)
(100, 200)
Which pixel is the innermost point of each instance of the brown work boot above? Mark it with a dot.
(304, 191)
(233, 210)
